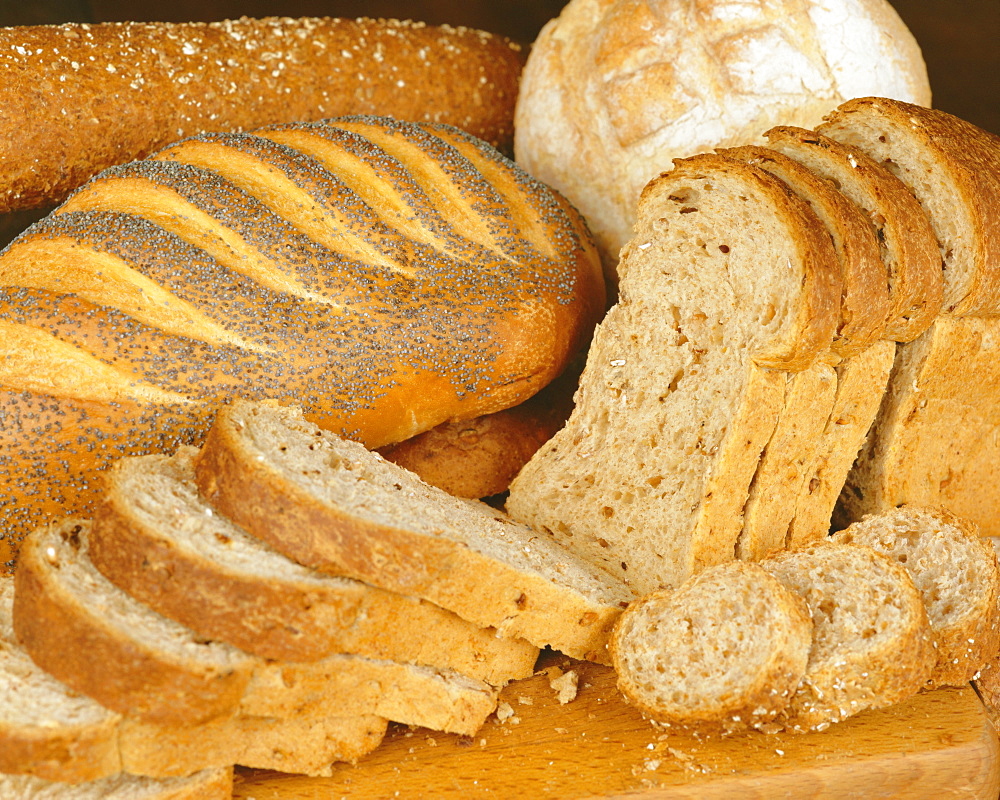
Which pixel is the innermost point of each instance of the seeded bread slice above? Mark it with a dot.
(157, 539)
(956, 572)
(953, 169)
(51, 732)
(210, 784)
(723, 652)
(684, 383)
(909, 248)
(331, 504)
(98, 641)
(872, 643)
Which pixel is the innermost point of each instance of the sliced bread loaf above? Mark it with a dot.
(723, 652)
(904, 233)
(331, 504)
(953, 169)
(209, 784)
(729, 280)
(157, 539)
(956, 572)
(872, 644)
(94, 638)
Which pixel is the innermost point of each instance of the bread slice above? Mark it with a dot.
(861, 382)
(953, 169)
(904, 233)
(724, 651)
(872, 643)
(49, 731)
(160, 677)
(331, 504)
(157, 539)
(98, 641)
(209, 784)
(956, 572)
(681, 392)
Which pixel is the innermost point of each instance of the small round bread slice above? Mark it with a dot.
(93, 637)
(956, 572)
(872, 643)
(723, 652)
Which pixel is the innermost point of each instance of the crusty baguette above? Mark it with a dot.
(155, 538)
(210, 784)
(329, 503)
(723, 652)
(872, 643)
(681, 393)
(903, 229)
(386, 276)
(106, 94)
(955, 570)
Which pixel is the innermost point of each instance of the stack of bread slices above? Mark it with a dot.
(784, 308)
(163, 638)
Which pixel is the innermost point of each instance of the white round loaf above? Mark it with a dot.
(614, 90)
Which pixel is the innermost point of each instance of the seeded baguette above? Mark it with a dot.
(681, 394)
(955, 570)
(134, 87)
(902, 227)
(155, 538)
(723, 652)
(333, 505)
(386, 276)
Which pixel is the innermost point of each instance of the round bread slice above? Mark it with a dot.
(157, 539)
(723, 652)
(209, 784)
(872, 643)
(956, 572)
(89, 634)
(904, 232)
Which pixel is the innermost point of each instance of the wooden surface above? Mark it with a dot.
(937, 744)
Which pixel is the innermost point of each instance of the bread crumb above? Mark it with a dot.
(525, 701)
(565, 686)
(504, 712)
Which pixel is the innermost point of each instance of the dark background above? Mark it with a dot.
(960, 38)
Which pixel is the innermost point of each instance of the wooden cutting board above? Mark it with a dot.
(938, 744)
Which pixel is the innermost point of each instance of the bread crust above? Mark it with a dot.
(134, 87)
(163, 289)
(915, 279)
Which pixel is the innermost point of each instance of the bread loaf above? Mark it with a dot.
(157, 540)
(330, 504)
(105, 94)
(612, 92)
(386, 276)
(681, 392)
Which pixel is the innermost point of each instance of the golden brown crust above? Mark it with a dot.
(71, 754)
(970, 157)
(916, 285)
(74, 644)
(440, 285)
(131, 88)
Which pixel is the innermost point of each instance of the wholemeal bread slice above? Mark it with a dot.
(154, 537)
(872, 644)
(161, 674)
(724, 651)
(98, 641)
(681, 392)
(909, 248)
(331, 504)
(956, 572)
(953, 169)
(210, 784)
